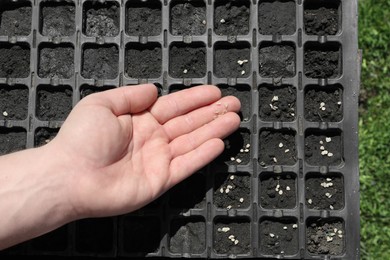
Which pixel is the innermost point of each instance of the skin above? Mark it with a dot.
(117, 151)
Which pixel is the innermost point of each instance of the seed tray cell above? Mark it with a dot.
(143, 18)
(13, 102)
(15, 60)
(56, 60)
(57, 18)
(187, 235)
(15, 18)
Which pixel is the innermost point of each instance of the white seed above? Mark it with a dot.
(236, 242)
(322, 104)
(328, 139)
(287, 150)
(242, 72)
(275, 98)
(331, 207)
(273, 107)
(325, 152)
(340, 232)
(280, 192)
(282, 252)
(323, 108)
(231, 237)
(219, 229)
(285, 227)
(232, 177)
(335, 230)
(241, 62)
(280, 145)
(229, 187)
(340, 236)
(241, 200)
(185, 71)
(330, 154)
(221, 190)
(229, 207)
(330, 184)
(247, 146)
(328, 195)
(276, 189)
(246, 150)
(5, 113)
(292, 114)
(295, 226)
(310, 201)
(47, 141)
(328, 179)
(204, 21)
(278, 186)
(271, 235)
(275, 160)
(329, 239)
(321, 142)
(238, 160)
(232, 159)
(288, 188)
(322, 147)
(332, 234)
(241, 150)
(225, 229)
(222, 20)
(339, 103)
(227, 191)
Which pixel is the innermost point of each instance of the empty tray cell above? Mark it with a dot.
(100, 61)
(53, 241)
(143, 60)
(278, 236)
(187, 60)
(12, 140)
(187, 235)
(57, 18)
(243, 93)
(277, 17)
(87, 90)
(232, 60)
(324, 104)
(53, 103)
(237, 148)
(322, 60)
(322, 17)
(278, 191)
(277, 103)
(188, 18)
(13, 102)
(323, 147)
(325, 236)
(56, 61)
(324, 192)
(277, 60)
(232, 236)
(277, 147)
(95, 236)
(15, 60)
(44, 135)
(141, 235)
(101, 19)
(231, 17)
(15, 18)
(143, 18)
(232, 190)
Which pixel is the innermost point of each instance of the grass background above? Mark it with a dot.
(374, 128)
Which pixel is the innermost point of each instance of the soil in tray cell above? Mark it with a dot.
(323, 147)
(57, 19)
(232, 236)
(232, 190)
(143, 60)
(325, 236)
(187, 60)
(100, 61)
(277, 147)
(278, 236)
(54, 241)
(278, 191)
(143, 18)
(322, 60)
(101, 19)
(87, 90)
(231, 17)
(277, 17)
(13, 102)
(15, 18)
(277, 103)
(95, 235)
(15, 60)
(232, 60)
(53, 103)
(187, 235)
(56, 61)
(322, 17)
(12, 140)
(277, 60)
(44, 135)
(237, 148)
(188, 18)
(243, 93)
(324, 104)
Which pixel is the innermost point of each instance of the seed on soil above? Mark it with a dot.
(221, 190)
(330, 154)
(242, 72)
(238, 160)
(340, 236)
(280, 192)
(241, 200)
(247, 146)
(287, 150)
(339, 103)
(231, 237)
(246, 150)
(274, 98)
(328, 179)
(241, 62)
(232, 177)
(340, 232)
(322, 147)
(204, 21)
(229, 207)
(309, 201)
(329, 239)
(328, 195)
(288, 188)
(225, 229)
(5, 113)
(236, 242)
(328, 139)
(227, 190)
(241, 150)
(232, 159)
(285, 227)
(275, 160)
(273, 107)
(271, 235)
(331, 207)
(280, 145)
(185, 71)
(295, 226)
(222, 21)
(325, 152)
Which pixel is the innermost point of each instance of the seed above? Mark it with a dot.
(325, 152)
(232, 159)
(280, 192)
(340, 236)
(321, 142)
(241, 200)
(222, 21)
(238, 160)
(241, 62)
(241, 150)
(246, 150)
(329, 239)
(323, 108)
(5, 113)
(340, 232)
(328, 195)
(287, 150)
(288, 188)
(309, 201)
(282, 252)
(271, 235)
(247, 146)
(227, 191)
(229, 207)
(185, 71)
(285, 227)
(322, 104)
(275, 160)
(242, 72)
(330, 184)
(275, 98)
(236, 242)
(328, 139)
(231, 237)
(278, 186)
(331, 207)
(330, 154)
(204, 21)
(322, 147)
(221, 190)
(230, 187)
(328, 179)
(219, 229)
(273, 107)
(232, 177)
(295, 226)
(280, 145)
(335, 230)
(225, 229)
(292, 114)
(332, 234)
(339, 103)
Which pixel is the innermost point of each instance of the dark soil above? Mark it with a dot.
(12, 140)
(226, 58)
(88, 90)
(187, 236)
(325, 192)
(56, 240)
(15, 19)
(187, 60)
(94, 235)
(143, 60)
(15, 60)
(324, 104)
(100, 61)
(56, 61)
(277, 61)
(188, 18)
(323, 237)
(273, 196)
(53, 103)
(277, 17)
(13, 102)
(277, 103)
(57, 19)
(232, 190)
(236, 150)
(278, 236)
(321, 17)
(277, 147)
(141, 234)
(143, 18)
(239, 228)
(101, 19)
(231, 17)
(322, 61)
(243, 93)
(331, 152)
(44, 135)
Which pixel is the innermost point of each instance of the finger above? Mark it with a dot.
(181, 102)
(193, 120)
(218, 128)
(124, 100)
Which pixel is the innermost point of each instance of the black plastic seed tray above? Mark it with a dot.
(286, 185)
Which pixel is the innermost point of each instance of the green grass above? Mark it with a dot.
(374, 148)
